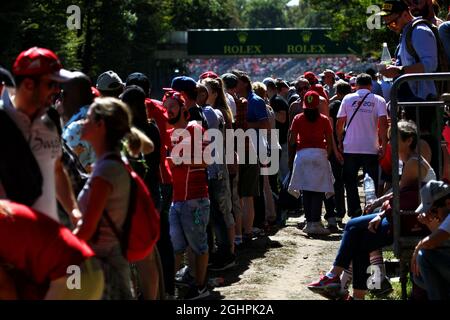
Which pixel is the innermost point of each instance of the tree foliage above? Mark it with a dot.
(265, 14)
(123, 34)
(348, 20)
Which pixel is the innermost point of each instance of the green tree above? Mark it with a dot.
(348, 20)
(38, 23)
(202, 14)
(265, 14)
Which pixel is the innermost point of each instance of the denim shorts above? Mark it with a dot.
(220, 197)
(188, 221)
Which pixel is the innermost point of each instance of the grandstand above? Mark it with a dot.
(286, 68)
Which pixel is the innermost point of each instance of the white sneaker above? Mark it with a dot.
(318, 229)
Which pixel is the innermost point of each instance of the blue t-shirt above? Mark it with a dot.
(216, 121)
(424, 42)
(256, 110)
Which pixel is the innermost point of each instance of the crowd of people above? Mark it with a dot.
(74, 150)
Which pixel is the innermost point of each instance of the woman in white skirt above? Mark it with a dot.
(311, 134)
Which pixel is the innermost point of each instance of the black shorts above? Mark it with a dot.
(248, 180)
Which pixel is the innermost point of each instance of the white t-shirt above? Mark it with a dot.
(45, 143)
(362, 134)
(445, 225)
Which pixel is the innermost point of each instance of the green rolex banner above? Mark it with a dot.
(265, 42)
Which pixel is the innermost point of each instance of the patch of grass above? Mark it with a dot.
(396, 294)
(388, 255)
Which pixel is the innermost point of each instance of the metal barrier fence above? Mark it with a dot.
(403, 245)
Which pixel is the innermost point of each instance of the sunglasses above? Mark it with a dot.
(393, 23)
(51, 84)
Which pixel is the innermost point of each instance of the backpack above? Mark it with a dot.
(443, 64)
(141, 228)
(20, 173)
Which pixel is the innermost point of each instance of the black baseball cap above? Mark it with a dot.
(230, 80)
(393, 6)
(139, 79)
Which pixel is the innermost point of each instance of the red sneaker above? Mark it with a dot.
(325, 283)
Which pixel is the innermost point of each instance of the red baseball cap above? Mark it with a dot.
(311, 100)
(174, 95)
(40, 61)
(340, 74)
(209, 74)
(311, 77)
(320, 90)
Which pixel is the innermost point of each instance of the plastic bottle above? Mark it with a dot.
(369, 189)
(386, 59)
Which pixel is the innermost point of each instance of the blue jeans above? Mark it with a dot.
(352, 164)
(221, 216)
(188, 221)
(356, 244)
(434, 266)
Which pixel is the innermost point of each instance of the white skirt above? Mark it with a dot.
(311, 172)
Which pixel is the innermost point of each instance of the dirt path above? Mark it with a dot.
(278, 267)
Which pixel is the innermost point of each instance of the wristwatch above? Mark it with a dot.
(401, 70)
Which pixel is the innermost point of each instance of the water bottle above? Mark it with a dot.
(369, 189)
(386, 59)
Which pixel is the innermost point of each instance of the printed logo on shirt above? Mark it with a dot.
(367, 106)
(40, 143)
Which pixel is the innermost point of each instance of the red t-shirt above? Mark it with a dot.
(156, 111)
(189, 183)
(38, 248)
(311, 134)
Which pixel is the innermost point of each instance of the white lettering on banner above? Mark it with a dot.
(74, 279)
(74, 20)
(251, 145)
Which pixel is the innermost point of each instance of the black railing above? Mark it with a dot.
(394, 142)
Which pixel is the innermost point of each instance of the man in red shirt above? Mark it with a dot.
(189, 212)
(39, 258)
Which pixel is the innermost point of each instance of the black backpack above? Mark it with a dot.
(443, 63)
(20, 173)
